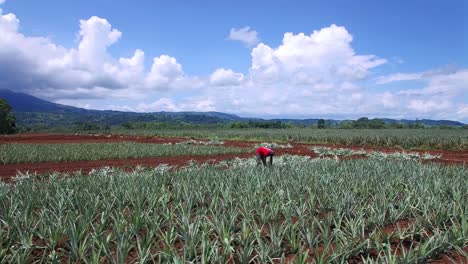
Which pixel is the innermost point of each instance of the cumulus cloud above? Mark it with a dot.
(323, 56)
(96, 35)
(223, 77)
(397, 77)
(164, 71)
(201, 104)
(443, 95)
(245, 35)
(162, 104)
(39, 66)
(448, 85)
(426, 106)
(306, 75)
(388, 100)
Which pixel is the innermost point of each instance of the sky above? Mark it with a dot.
(290, 59)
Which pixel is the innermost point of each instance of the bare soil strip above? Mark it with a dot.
(7, 171)
(92, 138)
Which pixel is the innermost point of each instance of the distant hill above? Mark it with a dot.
(333, 122)
(30, 110)
(21, 102)
(427, 122)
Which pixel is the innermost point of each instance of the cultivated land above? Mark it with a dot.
(34, 148)
(322, 203)
(443, 139)
(33, 153)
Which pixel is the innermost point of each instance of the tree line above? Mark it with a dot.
(8, 124)
(7, 119)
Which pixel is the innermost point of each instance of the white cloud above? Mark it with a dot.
(202, 104)
(324, 56)
(245, 35)
(427, 106)
(190, 104)
(223, 77)
(442, 85)
(74, 103)
(8, 22)
(162, 104)
(40, 67)
(388, 100)
(462, 112)
(398, 77)
(165, 70)
(96, 35)
(443, 96)
(307, 75)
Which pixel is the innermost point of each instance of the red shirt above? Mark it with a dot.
(263, 151)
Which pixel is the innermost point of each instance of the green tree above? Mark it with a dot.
(346, 124)
(128, 125)
(7, 120)
(417, 124)
(362, 122)
(321, 123)
(376, 123)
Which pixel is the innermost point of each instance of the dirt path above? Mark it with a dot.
(93, 138)
(7, 171)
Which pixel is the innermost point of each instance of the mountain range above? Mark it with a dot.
(30, 110)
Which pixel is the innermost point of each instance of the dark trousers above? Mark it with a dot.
(262, 159)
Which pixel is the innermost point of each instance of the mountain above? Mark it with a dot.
(427, 122)
(30, 111)
(21, 102)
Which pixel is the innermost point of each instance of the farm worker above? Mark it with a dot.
(262, 153)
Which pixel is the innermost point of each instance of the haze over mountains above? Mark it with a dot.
(30, 110)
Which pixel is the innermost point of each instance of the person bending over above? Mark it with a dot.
(262, 153)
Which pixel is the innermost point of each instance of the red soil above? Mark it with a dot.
(7, 171)
(93, 138)
(451, 257)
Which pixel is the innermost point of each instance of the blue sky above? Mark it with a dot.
(343, 59)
